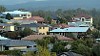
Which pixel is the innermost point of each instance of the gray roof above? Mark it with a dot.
(16, 43)
(4, 24)
(29, 49)
(4, 20)
(69, 54)
(33, 25)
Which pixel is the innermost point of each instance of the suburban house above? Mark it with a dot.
(16, 45)
(36, 27)
(83, 18)
(75, 31)
(6, 27)
(54, 19)
(18, 14)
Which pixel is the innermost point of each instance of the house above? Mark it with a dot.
(18, 14)
(83, 18)
(36, 27)
(40, 37)
(69, 53)
(16, 45)
(54, 19)
(6, 27)
(75, 31)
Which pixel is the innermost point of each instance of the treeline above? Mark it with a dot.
(64, 15)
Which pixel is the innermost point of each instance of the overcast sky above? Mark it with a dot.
(11, 2)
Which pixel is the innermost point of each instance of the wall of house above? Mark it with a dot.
(34, 29)
(43, 30)
(9, 28)
(17, 18)
(19, 47)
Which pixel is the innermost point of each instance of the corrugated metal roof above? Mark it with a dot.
(71, 29)
(16, 12)
(3, 38)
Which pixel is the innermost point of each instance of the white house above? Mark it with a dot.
(83, 18)
(18, 14)
(6, 27)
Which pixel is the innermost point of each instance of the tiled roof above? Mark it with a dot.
(37, 18)
(83, 15)
(39, 37)
(61, 25)
(16, 43)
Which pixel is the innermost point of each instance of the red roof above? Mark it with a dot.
(39, 37)
(37, 18)
(62, 25)
(83, 15)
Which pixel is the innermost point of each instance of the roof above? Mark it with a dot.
(16, 43)
(33, 25)
(29, 49)
(54, 17)
(78, 23)
(16, 12)
(37, 18)
(71, 29)
(3, 38)
(69, 54)
(83, 15)
(61, 25)
(4, 24)
(4, 20)
(39, 37)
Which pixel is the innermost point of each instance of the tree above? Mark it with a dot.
(1, 21)
(59, 47)
(16, 24)
(12, 35)
(27, 31)
(2, 8)
(79, 46)
(8, 16)
(96, 50)
(43, 51)
(96, 34)
(29, 53)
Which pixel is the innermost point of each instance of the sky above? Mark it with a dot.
(12, 2)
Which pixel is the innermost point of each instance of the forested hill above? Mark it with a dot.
(56, 4)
